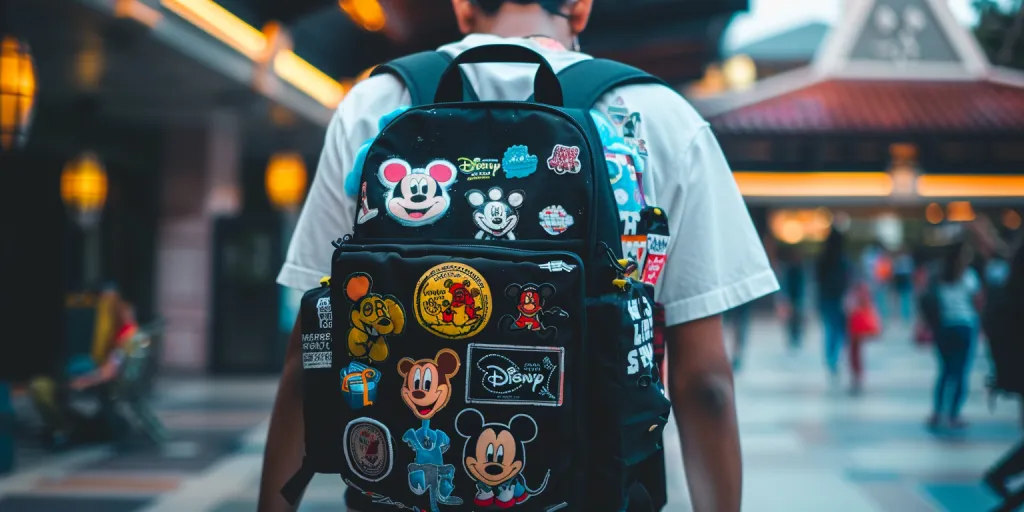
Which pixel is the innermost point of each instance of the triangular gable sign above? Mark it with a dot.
(901, 39)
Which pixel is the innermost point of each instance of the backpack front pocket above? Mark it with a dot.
(458, 369)
(631, 398)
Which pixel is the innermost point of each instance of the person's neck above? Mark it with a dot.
(528, 21)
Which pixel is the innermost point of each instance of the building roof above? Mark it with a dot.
(877, 106)
(895, 66)
(797, 44)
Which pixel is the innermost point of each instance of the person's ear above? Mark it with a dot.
(579, 15)
(465, 14)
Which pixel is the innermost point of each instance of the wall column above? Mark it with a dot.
(200, 181)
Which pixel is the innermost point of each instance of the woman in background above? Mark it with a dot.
(833, 280)
(957, 321)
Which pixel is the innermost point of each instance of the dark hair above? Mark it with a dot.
(493, 6)
(953, 265)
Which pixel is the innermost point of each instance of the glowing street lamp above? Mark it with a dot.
(17, 92)
(286, 181)
(83, 188)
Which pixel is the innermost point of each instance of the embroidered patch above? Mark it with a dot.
(494, 457)
(453, 301)
(518, 162)
(374, 318)
(565, 159)
(359, 385)
(555, 220)
(369, 449)
(634, 247)
(515, 375)
(557, 266)
(416, 197)
(657, 252)
(426, 390)
(530, 314)
(426, 386)
(495, 215)
(642, 355)
(479, 168)
(365, 212)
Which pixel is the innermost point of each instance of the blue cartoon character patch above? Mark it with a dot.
(625, 170)
(495, 458)
(518, 162)
(426, 390)
(416, 197)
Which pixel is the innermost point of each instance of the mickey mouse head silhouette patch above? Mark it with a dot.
(416, 197)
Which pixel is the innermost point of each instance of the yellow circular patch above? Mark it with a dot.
(453, 301)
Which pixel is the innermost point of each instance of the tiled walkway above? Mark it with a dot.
(806, 447)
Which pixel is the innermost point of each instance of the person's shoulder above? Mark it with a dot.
(372, 98)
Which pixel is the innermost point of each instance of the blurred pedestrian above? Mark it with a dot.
(903, 281)
(833, 274)
(792, 299)
(1004, 324)
(952, 305)
(739, 317)
(865, 324)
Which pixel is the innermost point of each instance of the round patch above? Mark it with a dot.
(369, 449)
(453, 301)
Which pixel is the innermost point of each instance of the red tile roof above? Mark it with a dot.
(876, 106)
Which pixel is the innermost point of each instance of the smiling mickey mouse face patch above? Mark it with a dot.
(416, 197)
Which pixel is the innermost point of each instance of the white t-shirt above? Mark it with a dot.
(956, 300)
(715, 259)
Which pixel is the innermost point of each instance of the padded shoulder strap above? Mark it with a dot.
(584, 83)
(421, 72)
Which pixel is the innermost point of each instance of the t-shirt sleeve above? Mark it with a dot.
(716, 260)
(326, 216)
(329, 211)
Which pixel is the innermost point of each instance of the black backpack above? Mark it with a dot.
(486, 316)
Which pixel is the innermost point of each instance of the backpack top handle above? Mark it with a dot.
(547, 89)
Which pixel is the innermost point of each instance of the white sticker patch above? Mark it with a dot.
(557, 266)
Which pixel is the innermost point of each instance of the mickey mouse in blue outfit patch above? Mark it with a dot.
(495, 457)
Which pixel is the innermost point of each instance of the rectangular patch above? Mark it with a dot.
(514, 375)
(316, 350)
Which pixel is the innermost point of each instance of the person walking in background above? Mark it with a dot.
(739, 317)
(952, 305)
(903, 281)
(833, 280)
(865, 325)
(792, 299)
(1004, 323)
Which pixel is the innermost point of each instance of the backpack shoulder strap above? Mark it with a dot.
(421, 72)
(585, 82)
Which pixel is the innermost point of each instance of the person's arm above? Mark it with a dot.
(701, 390)
(283, 453)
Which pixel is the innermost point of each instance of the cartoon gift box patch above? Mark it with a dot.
(359, 385)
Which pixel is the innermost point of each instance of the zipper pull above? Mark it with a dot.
(341, 241)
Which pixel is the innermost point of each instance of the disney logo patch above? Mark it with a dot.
(479, 168)
(515, 375)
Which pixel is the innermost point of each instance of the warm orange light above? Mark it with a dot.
(960, 211)
(17, 92)
(286, 180)
(308, 79)
(740, 72)
(137, 11)
(249, 41)
(814, 184)
(934, 214)
(365, 13)
(220, 23)
(83, 184)
(1012, 220)
(365, 74)
(969, 185)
